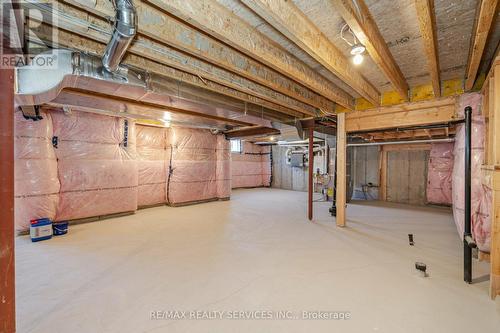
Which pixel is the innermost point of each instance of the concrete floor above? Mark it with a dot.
(254, 253)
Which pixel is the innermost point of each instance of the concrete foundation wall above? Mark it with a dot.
(365, 170)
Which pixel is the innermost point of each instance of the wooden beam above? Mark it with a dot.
(486, 12)
(77, 21)
(290, 21)
(364, 27)
(491, 171)
(438, 111)
(79, 42)
(187, 39)
(7, 262)
(218, 21)
(341, 170)
(251, 131)
(427, 23)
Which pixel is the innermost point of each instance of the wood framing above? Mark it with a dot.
(382, 194)
(491, 171)
(251, 131)
(152, 63)
(364, 27)
(7, 262)
(427, 23)
(486, 12)
(341, 170)
(218, 21)
(99, 30)
(436, 111)
(185, 38)
(290, 21)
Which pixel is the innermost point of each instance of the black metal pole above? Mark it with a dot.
(468, 242)
(333, 209)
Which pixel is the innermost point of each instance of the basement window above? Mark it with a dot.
(235, 146)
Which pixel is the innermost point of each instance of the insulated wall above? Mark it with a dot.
(193, 166)
(223, 168)
(36, 181)
(440, 174)
(97, 164)
(153, 159)
(251, 167)
(480, 194)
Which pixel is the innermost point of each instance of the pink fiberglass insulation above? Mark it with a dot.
(481, 194)
(439, 173)
(36, 182)
(251, 167)
(223, 168)
(152, 164)
(193, 166)
(97, 164)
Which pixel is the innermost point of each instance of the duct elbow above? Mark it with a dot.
(124, 30)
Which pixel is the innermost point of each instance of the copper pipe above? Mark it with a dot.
(311, 170)
(7, 288)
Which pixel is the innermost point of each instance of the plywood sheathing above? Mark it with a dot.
(454, 23)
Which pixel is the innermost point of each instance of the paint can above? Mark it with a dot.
(60, 228)
(40, 229)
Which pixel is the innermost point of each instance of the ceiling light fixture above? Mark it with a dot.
(357, 49)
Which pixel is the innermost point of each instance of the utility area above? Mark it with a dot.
(250, 166)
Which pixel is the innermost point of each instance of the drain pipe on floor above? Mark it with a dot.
(124, 31)
(469, 243)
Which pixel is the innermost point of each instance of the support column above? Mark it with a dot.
(493, 95)
(341, 170)
(310, 175)
(7, 289)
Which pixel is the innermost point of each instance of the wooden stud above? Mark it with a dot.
(341, 170)
(364, 27)
(486, 12)
(427, 23)
(7, 262)
(213, 18)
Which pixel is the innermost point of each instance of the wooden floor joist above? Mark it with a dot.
(485, 16)
(427, 23)
(295, 25)
(364, 27)
(183, 37)
(218, 21)
(146, 58)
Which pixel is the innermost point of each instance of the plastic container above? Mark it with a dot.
(40, 229)
(60, 228)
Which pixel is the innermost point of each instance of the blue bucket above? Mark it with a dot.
(60, 228)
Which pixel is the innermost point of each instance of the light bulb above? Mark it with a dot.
(357, 59)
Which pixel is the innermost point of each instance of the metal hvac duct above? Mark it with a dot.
(79, 80)
(124, 31)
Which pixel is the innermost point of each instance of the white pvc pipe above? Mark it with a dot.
(398, 142)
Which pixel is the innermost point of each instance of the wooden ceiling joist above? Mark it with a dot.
(257, 106)
(183, 37)
(218, 21)
(427, 23)
(366, 31)
(486, 12)
(163, 54)
(295, 25)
